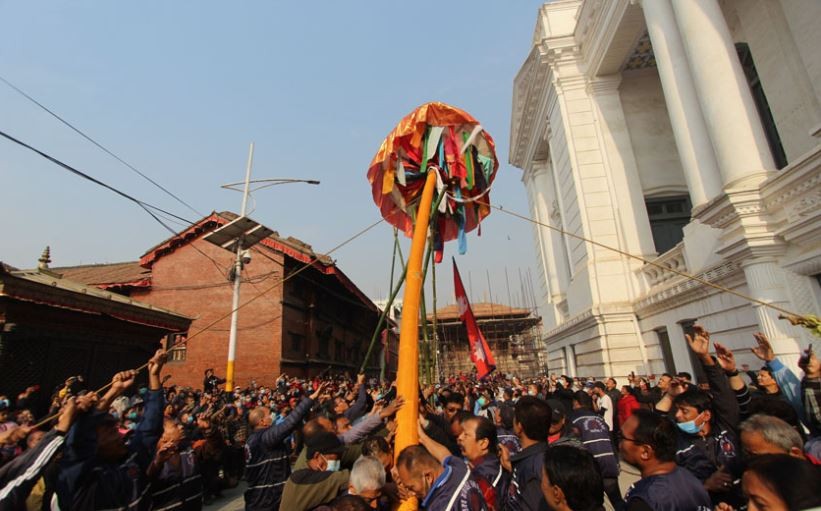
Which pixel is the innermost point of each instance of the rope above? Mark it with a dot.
(647, 261)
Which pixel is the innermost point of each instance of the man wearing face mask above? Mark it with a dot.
(708, 440)
(322, 481)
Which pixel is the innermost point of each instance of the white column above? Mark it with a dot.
(766, 282)
(689, 129)
(732, 119)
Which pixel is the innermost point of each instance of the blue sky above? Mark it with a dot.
(179, 89)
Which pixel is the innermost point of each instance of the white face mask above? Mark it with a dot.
(332, 465)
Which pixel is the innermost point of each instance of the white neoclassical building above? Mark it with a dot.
(687, 132)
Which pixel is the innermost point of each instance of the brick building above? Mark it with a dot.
(52, 327)
(317, 320)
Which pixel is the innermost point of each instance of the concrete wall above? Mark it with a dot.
(651, 135)
(784, 38)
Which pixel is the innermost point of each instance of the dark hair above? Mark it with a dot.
(667, 375)
(413, 455)
(534, 416)
(656, 431)
(600, 385)
(485, 429)
(576, 472)
(506, 414)
(584, 399)
(454, 397)
(694, 397)
(685, 375)
(777, 408)
(795, 480)
(374, 445)
(349, 503)
(615, 382)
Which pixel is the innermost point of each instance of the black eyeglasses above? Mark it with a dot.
(627, 439)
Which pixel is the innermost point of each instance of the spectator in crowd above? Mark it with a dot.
(595, 436)
(367, 480)
(322, 481)
(479, 445)
(571, 480)
(648, 442)
(627, 405)
(267, 465)
(99, 469)
(532, 425)
(211, 383)
(781, 482)
(765, 434)
(438, 486)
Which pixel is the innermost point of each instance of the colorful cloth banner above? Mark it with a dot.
(480, 352)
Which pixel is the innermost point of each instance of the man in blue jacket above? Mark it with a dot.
(267, 466)
(99, 469)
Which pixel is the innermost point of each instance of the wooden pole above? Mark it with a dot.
(407, 378)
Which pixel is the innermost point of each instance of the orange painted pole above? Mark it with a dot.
(407, 375)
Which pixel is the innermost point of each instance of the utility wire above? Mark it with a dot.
(154, 211)
(100, 146)
(94, 180)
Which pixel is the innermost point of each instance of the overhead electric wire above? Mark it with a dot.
(98, 145)
(94, 180)
(155, 214)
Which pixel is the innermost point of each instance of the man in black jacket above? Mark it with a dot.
(532, 425)
(267, 466)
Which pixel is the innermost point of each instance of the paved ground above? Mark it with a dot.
(232, 499)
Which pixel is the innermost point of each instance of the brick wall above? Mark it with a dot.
(187, 282)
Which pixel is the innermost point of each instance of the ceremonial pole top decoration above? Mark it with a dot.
(451, 142)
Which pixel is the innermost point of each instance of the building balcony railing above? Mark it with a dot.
(673, 259)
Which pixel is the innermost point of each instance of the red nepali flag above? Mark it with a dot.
(480, 352)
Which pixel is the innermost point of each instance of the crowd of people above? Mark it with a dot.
(737, 440)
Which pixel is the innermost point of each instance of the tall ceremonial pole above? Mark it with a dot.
(407, 376)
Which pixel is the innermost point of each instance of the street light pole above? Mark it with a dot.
(238, 236)
(232, 336)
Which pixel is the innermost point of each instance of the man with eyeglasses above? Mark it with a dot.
(648, 442)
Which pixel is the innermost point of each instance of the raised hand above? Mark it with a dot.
(156, 362)
(67, 415)
(699, 342)
(677, 386)
(123, 380)
(392, 408)
(318, 391)
(764, 350)
(360, 378)
(725, 357)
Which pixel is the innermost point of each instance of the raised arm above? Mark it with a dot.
(437, 450)
(724, 399)
(275, 434)
(358, 409)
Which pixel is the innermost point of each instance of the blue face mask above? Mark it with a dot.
(190, 419)
(4, 403)
(132, 416)
(333, 465)
(481, 401)
(132, 426)
(690, 427)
